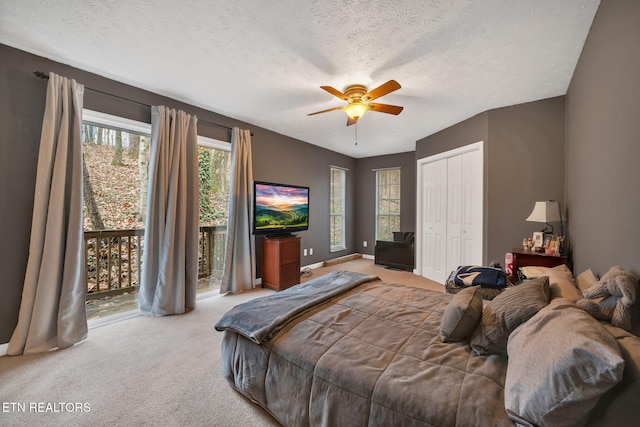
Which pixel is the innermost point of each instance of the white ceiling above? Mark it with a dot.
(263, 61)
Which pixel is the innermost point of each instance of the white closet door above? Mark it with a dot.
(454, 213)
(434, 226)
(471, 213)
(450, 212)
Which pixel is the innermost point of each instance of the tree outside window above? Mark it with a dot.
(387, 203)
(337, 209)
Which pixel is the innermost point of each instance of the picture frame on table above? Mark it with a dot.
(557, 244)
(538, 237)
(546, 240)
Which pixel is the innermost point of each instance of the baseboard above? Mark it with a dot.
(341, 259)
(3, 349)
(338, 260)
(112, 318)
(312, 266)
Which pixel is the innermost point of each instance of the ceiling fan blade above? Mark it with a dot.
(382, 90)
(325, 111)
(351, 121)
(335, 92)
(385, 108)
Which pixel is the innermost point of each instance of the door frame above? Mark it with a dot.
(419, 191)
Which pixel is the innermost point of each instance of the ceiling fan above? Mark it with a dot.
(359, 100)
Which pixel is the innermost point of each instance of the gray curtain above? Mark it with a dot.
(170, 256)
(240, 256)
(52, 311)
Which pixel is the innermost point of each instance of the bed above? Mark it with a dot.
(348, 349)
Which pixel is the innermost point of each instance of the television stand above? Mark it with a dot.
(282, 235)
(280, 262)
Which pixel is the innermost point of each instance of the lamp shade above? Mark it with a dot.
(548, 211)
(355, 110)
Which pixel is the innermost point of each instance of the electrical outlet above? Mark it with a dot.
(364, 243)
(304, 252)
(311, 251)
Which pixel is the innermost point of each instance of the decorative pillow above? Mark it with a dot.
(561, 282)
(586, 279)
(506, 312)
(560, 363)
(461, 315)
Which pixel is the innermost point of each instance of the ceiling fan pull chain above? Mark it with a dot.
(356, 132)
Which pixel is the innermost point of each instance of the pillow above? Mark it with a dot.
(630, 351)
(560, 363)
(561, 282)
(586, 279)
(619, 405)
(461, 315)
(533, 271)
(506, 312)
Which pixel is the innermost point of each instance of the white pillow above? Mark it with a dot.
(586, 279)
(561, 282)
(560, 363)
(533, 271)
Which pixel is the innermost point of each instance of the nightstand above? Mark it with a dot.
(526, 257)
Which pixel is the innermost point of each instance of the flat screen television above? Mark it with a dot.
(280, 209)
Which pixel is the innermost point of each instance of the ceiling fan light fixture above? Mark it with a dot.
(355, 110)
(359, 100)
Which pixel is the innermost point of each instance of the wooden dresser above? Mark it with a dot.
(280, 262)
(527, 257)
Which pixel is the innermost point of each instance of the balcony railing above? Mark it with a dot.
(113, 258)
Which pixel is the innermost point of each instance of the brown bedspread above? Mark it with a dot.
(371, 356)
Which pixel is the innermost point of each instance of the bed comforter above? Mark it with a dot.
(368, 356)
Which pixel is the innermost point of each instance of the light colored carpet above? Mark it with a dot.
(138, 370)
(366, 266)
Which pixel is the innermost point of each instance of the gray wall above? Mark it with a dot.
(22, 97)
(525, 164)
(464, 133)
(603, 142)
(288, 161)
(365, 196)
(524, 148)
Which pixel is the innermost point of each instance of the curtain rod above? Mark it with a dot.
(43, 75)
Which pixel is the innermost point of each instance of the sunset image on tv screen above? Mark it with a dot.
(281, 207)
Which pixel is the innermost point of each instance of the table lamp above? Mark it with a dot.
(548, 211)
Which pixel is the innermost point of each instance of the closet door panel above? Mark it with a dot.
(454, 213)
(471, 195)
(434, 224)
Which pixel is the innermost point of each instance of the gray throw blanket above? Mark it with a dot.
(261, 318)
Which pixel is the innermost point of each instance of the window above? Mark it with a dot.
(336, 206)
(214, 168)
(115, 178)
(387, 203)
(115, 157)
(214, 173)
(115, 172)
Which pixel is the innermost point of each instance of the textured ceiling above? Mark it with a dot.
(263, 61)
